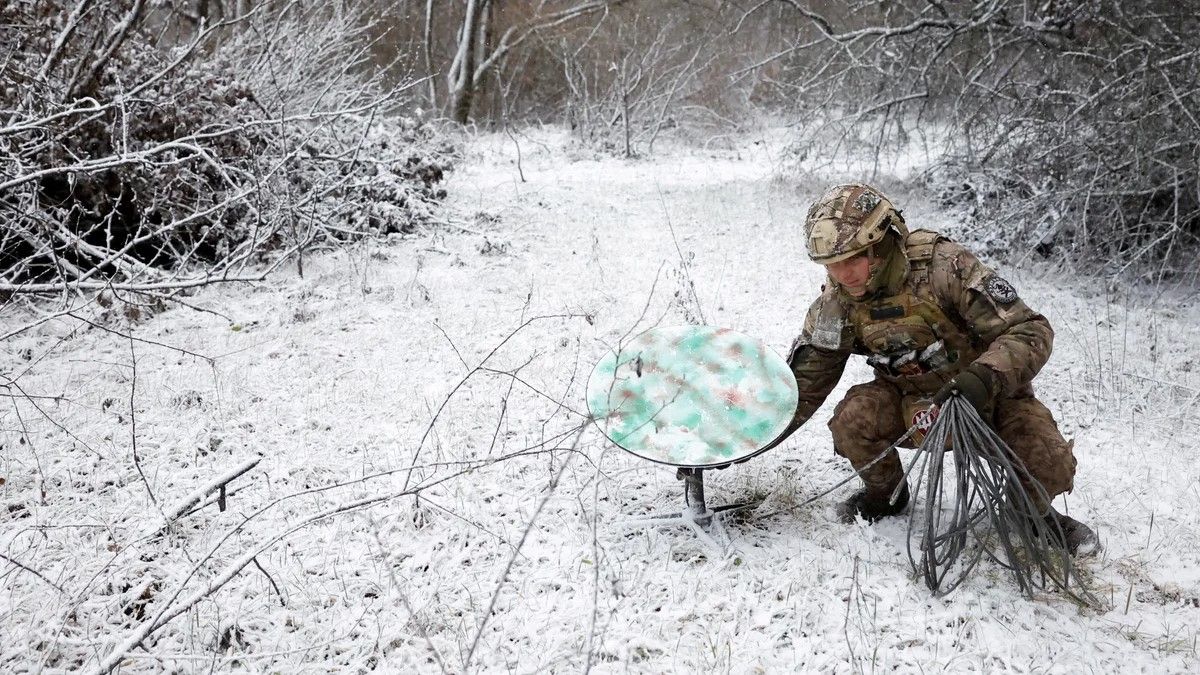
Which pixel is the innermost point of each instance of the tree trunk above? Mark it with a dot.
(463, 91)
(428, 44)
(487, 35)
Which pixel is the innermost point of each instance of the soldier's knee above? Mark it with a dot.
(1048, 457)
(1060, 475)
(859, 415)
(848, 417)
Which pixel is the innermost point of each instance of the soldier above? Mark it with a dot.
(932, 319)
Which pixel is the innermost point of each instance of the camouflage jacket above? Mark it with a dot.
(948, 311)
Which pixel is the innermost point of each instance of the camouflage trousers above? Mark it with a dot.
(871, 418)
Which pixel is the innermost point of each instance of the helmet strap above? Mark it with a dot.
(887, 263)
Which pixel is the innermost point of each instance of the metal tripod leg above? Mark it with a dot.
(696, 515)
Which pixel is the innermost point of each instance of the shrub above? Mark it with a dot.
(1072, 126)
(146, 152)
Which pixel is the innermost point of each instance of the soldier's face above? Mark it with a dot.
(852, 273)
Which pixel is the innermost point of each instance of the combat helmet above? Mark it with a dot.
(848, 219)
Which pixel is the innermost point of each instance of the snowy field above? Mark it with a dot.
(428, 498)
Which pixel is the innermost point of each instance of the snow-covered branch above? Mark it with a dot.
(148, 169)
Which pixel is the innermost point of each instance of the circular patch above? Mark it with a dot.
(923, 419)
(1000, 290)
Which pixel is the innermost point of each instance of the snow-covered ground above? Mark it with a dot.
(427, 498)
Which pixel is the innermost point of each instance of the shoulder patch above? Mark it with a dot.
(1000, 290)
(825, 323)
(827, 333)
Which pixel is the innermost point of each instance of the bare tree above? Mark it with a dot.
(503, 60)
(476, 56)
(629, 78)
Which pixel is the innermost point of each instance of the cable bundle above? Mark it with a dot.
(982, 507)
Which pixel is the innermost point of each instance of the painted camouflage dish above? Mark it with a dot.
(692, 396)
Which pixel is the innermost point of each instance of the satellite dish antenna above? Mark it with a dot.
(696, 398)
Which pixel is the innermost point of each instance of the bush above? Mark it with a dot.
(151, 157)
(1072, 126)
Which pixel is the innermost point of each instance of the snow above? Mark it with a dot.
(334, 379)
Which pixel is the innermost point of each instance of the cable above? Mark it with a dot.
(988, 504)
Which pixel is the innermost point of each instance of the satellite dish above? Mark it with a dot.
(693, 397)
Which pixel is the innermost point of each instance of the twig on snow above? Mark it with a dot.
(271, 579)
(595, 565)
(34, 572)
(137, 461)
(130, 336)
(470, 373)
(185, 505)
(513, 558)
(437, 656)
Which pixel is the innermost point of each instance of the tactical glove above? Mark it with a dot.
(974, 384)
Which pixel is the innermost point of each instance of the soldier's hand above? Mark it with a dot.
(974, 384)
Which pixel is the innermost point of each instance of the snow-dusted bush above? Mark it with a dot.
(1072, 126)
(149, 149)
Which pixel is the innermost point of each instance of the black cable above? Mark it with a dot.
(987, 504)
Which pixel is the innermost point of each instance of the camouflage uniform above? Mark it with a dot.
(942, 311)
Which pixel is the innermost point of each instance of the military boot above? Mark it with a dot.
(1079, 539)
(872, 505)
